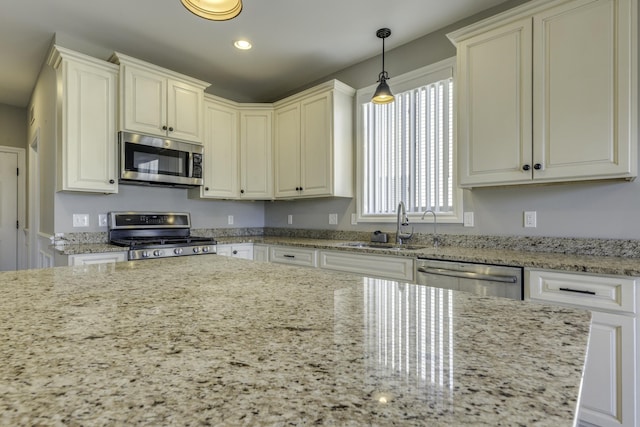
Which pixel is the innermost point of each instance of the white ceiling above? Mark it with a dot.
(295, 41)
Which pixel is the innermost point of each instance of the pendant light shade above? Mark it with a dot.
(383, 93)
(214, 10)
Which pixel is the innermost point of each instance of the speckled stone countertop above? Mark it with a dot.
(210, 340)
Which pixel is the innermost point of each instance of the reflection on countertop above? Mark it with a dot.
(224, 341)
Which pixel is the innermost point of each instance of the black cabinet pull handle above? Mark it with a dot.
(577, 291)
(289, 256)
(526, 167)
(537, 166)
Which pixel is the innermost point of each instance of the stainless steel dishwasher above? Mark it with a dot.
(480, 279)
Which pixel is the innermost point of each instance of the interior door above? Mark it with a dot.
(8, 211)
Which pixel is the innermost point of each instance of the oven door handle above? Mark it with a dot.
(468, 275)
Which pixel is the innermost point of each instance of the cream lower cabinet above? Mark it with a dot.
(261, 253)
(237, 250)
(303, 257)
(547, 92)
(313, 143)
(89, 259)
(611, 384)
(86, 122)
(386, 267)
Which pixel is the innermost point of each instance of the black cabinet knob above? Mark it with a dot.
(241, 191)
(537, 166)
(297, 188)
(235, 252)
(111, 181)
(301, 188)
(170, 129)
(206, 188)
(526, 167)
(164, 128)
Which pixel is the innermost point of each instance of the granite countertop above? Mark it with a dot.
(209, 340)
(608, 265)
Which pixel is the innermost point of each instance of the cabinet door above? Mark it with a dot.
(145, 101)
(88, 140)
(494, 106)
(287, 151)
(316, 147)
(256, 170)
(98, 258)
(583, 90)
(220, 152)
(184, 111)
(261, 253)
(608, 389)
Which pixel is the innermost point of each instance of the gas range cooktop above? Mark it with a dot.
(157, 235)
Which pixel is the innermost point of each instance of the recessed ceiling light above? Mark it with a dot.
(242, 44)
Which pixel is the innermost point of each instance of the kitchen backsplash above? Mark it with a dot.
(574, 246)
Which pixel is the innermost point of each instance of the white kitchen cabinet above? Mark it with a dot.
(313, 143)
(86, 134)
(91, 258)
(547, 92)
(261, 253)
(303, 257)
(256, 148)
(611, 383)
(383, 266)
(159, 102)
(236, 250)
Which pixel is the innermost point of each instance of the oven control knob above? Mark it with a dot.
(196, 250)
(177, 251)
(205, 249)
(145, 254)
(158, 252)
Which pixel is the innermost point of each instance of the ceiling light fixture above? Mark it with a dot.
(383, 94)
(214, 10)
(242, 44)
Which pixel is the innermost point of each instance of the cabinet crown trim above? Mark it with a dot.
(58, 53)
(122, 59)
(334, 84)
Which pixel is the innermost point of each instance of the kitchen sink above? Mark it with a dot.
(385, 246)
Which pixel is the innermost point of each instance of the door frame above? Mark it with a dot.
(21, 253)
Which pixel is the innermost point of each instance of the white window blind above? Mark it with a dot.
(408, 151)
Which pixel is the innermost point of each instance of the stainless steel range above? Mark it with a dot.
(157, 235)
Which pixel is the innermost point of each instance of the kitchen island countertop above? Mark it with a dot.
(209, 340)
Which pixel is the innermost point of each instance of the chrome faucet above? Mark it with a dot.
(435, 226)
(402, 220)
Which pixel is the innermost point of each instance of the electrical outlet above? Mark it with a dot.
(230, 220)
(80, 220)
(333, 219)
(530, 219)
(289, 219)
(354, 219)
(102, 220)
(468, 219)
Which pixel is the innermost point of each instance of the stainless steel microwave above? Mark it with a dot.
(151, 160)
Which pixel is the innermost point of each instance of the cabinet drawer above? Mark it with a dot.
(295, 256)
(606, 293)
(388, 267)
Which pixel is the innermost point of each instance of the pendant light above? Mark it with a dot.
(214, 10)
(383, 94)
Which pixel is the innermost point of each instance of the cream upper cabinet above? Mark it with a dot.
(256, 158)
(220, 163)
(313, 143)
(157, 101)
(86, 122)
(547, 92)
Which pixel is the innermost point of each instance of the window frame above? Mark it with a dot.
(411, 80)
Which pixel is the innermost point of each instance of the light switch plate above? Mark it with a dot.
(289, 219)
(333, 219)
(354, 219)
(530, 219)
(102, 220)
(469, 219)
(230, 219)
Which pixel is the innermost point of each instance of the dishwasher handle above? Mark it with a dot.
(468, 275)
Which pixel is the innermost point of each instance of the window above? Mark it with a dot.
(406, 148)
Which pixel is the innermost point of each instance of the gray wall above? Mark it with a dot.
(589, 209)
(13, 123)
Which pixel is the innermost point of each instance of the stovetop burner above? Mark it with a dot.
(157, 235)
